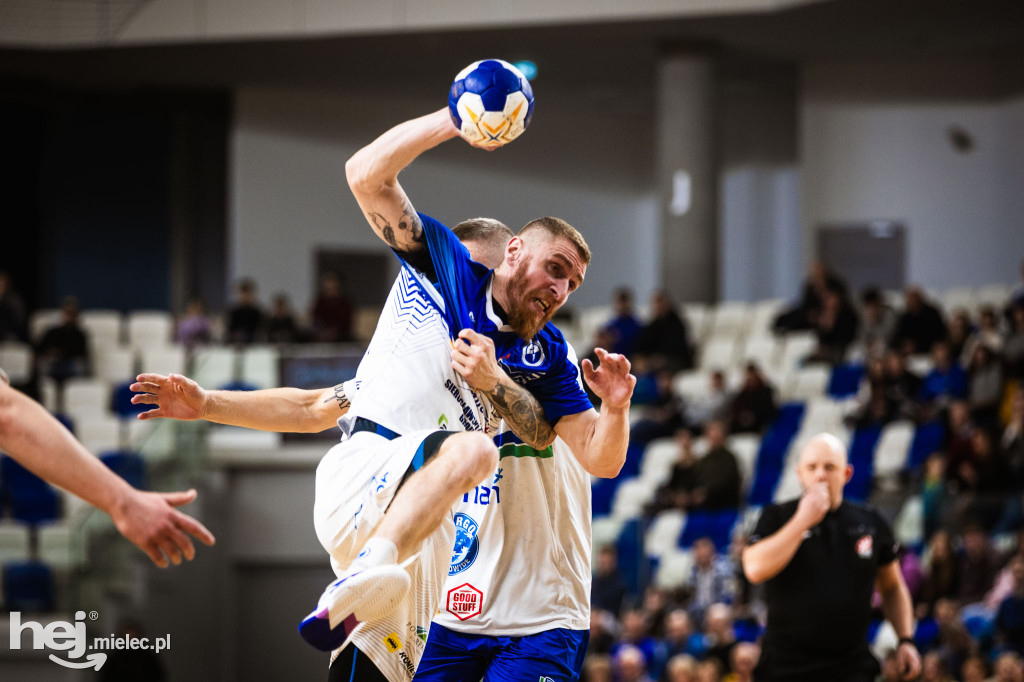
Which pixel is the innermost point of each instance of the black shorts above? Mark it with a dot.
(352, 665)
(779, 666)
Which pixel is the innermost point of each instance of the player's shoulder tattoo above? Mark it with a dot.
(406, 234)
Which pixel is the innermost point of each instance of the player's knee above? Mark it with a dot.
(477, 457)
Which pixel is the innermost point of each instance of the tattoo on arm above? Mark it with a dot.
(520, 409)
(409, 234)
(339, 397)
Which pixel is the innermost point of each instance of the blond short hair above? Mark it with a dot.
(557, 227)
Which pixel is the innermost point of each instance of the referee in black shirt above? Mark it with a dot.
(820, 559)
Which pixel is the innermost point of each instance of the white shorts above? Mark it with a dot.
(355, 482)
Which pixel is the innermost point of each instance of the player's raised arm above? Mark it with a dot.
(599, 439)
(282, 410)
(372, 174)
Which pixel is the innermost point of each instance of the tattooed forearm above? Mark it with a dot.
(522, 412)
(339, 397)
(407, 235)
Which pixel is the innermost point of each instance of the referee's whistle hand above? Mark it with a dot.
(814, 504)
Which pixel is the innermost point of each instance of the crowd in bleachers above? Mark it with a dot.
(926, 389)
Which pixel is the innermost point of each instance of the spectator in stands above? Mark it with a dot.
(903, 385)
(876, 403)
(988, 479)
(712, 580)
(63, 352)
(712, 404)
(960, 330)
(719, 637)
(878, 322)
(946, 381)
(632, 665)
(624, 326)
(677, 492)
(194, 327)
(602, 633)
(941, 573)
(13, 321)
(636, 634)
(1009, 623)
(936, 497)
(332, 311)
(1008, 668)
(978, 564)
(805, 313)
(742, 662)
(985, 386)
(933, 668)
(1012, 441)
(1013, 349)
(598, 669)
(835, 326)
(246, 319)
(662, 414)
(665, 340)
(678, 636)
(987, 334)
(954, 643)
(656, 607)
(608, 590)
(920, 326)
(281, 325)
(718, 473)
(753, 407)
(1017, 296)
(974, 669)
(958, 447)
(681, 668)
(709, 670)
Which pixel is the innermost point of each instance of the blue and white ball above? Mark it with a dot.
(491, 102)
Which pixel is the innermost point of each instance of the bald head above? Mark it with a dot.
(823, 462)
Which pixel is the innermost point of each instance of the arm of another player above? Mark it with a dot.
(41, 444)
(282, 410)
(474, 360)
(766, 558)
(899, 609)
(372, 175)
(599, 439)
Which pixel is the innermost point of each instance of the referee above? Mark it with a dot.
(821, 559)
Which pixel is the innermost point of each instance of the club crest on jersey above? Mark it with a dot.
(865, 546)
(533, 354)
(467, 546)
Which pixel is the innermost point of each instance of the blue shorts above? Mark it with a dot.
(555, 655)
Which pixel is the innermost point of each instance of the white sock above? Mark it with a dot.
(377, 552)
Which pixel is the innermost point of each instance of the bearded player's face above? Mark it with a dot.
(548, 270)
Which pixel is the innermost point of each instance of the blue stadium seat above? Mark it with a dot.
(862, 457)
(633, 561)
(67, 421)
(845, 380)
(128, 465)
(716, 525)
(772, 453)
(31, 499)
(122, 401)
(602, 493)
(28, 587)
(747, 630)
(928, 438)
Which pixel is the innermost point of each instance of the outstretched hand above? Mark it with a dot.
(176, 397)
(151, 522)
(611, 381)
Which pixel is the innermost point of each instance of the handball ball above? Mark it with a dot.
(491, 102)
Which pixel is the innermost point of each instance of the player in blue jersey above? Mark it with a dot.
(511, 305)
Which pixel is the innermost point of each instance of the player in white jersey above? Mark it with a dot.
(511, 307)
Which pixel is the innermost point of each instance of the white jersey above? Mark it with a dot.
(521, 563)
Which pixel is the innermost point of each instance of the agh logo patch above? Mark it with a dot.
(865, 546)
(533, 354)
(467, 546)
(392, 642)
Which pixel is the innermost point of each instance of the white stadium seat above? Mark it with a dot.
(149, 328)
(663, 533)
(659, 456)
(16, 360)
(893, 448)
(808, 382)
(103, 327)
(630, 498)
(259, 366)
(796, 347)
(214, 367)
(113, 364)
(674, 569)
(719, 353)
(86, 397)
(731, 318)
(163, 360)
(697, 316)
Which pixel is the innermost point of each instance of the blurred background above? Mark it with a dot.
(805, 215)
